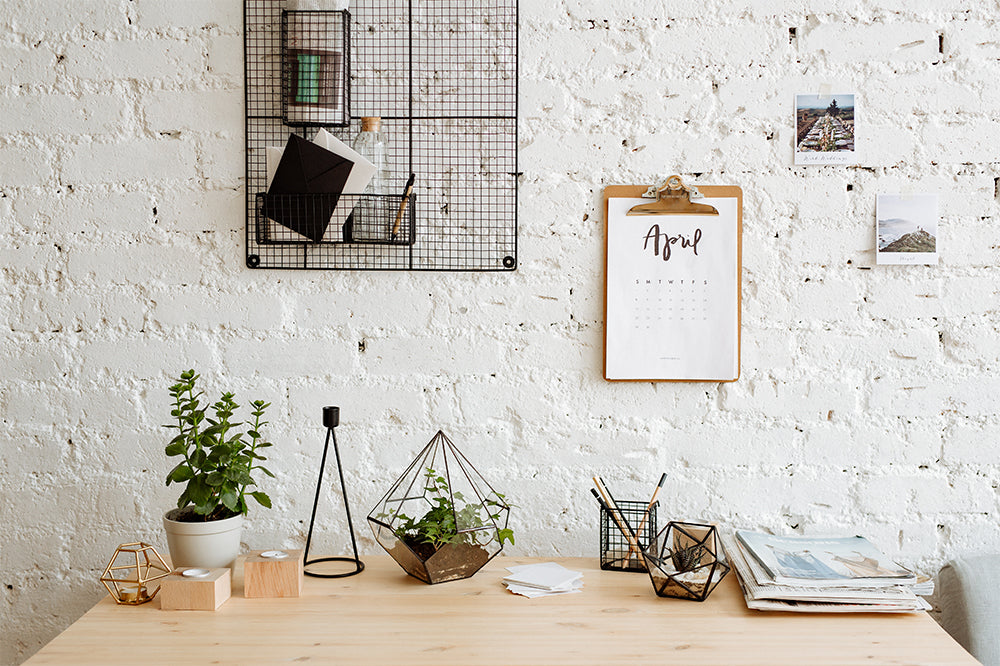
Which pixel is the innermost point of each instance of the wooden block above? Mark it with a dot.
(268, 577)
(205, 592)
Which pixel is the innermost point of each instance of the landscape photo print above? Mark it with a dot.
(907, 228)
(824, 129)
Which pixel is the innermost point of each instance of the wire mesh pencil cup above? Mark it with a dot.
(617, 553)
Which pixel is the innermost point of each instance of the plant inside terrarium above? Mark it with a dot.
(445, 523)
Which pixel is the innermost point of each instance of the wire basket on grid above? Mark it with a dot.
(315, 68)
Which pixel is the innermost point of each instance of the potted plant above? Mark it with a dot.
(219, 460)
(441, 525)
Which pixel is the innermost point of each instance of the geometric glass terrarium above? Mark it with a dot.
(131, 570)
(684, 561)
(441, 520)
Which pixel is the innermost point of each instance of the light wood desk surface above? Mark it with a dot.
(383, 616)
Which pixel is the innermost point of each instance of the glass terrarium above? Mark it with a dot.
(685, 562)
(441, 520)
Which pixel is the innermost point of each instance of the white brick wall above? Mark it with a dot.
(867, 402)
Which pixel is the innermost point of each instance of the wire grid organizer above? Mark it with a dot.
(442, 75)
(616, 552)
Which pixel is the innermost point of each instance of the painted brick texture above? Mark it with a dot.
(867, 402)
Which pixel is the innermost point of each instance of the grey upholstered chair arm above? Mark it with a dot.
(969, 599)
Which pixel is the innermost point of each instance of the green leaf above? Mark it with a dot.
(212, 430)
(262, 499)
(215, 479)
(180, 473)
(199, 492)
(175, 449)
(505, 535)
(230, 499)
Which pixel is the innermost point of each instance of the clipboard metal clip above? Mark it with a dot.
(672, 198)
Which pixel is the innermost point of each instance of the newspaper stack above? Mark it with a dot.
(821, 575)
(543, 580)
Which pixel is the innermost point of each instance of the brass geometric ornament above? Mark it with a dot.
(131, 569)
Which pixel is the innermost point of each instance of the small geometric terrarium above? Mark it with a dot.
(131, 572)
(441, 520)
(684, 561)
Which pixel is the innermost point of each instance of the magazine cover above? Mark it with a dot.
(819, 558)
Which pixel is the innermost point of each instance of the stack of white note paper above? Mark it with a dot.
(543, 580)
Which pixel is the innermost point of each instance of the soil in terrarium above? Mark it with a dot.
(449, 562)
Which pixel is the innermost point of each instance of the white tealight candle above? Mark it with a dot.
(195, 573)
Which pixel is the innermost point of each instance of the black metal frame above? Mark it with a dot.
(443, 77)
(331, 419)
(700, 550)
(441, 453)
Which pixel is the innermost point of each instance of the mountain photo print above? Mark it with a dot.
(907, 229)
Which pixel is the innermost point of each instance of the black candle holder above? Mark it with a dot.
(331, 419)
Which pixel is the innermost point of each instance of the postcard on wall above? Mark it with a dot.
(907, 229)
(673, 293)
(824, 129)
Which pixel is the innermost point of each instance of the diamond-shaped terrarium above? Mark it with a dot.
(684, 561)
(441, 520)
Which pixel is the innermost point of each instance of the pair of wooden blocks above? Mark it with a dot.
(266, 575)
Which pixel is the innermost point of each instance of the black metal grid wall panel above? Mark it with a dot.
(465, 58)
(381, 60)
(442, 75)
(465, 164)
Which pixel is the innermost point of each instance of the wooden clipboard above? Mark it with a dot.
(659, 302)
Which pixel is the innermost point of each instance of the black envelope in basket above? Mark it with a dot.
(306, 169)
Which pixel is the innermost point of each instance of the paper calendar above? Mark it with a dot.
(673, 291)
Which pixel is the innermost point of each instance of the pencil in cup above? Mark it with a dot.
(636, 548)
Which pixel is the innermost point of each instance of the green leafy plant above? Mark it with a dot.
(219, 458)
(439, 526)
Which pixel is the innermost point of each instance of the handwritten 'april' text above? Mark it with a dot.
(666, 241)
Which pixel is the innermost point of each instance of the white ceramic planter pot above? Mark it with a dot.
(206, 545)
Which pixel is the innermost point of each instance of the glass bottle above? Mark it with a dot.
(371, 218)
(371, 145)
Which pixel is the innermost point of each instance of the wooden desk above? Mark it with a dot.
(383, 616)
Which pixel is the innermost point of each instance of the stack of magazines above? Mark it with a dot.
(821, 575)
